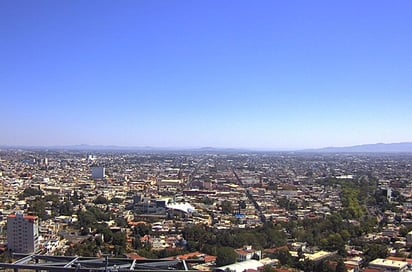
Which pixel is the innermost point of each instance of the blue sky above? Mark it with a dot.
(255, 74)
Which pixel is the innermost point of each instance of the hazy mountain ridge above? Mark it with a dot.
(88, 147)
(404, 147)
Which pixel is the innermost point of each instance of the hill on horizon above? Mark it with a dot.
(404, 147)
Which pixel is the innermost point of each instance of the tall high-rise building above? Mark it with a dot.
(98, 172)
(22, 233)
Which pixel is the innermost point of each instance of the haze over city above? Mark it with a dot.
(235, 74)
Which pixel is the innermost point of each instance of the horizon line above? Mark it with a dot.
(192, 148)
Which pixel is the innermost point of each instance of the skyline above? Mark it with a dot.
(404, 147)
(191, 74)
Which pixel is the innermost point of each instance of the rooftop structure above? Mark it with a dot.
(241, 266)
(66, 263)
(389, 265)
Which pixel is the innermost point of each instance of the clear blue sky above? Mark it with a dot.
(260, 74)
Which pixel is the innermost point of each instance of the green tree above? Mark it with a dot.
(284, 257)
(340, 267)
(30, 192)
(38, 207)
(6, 257)
(65, 208)
(137, 244)
(119, 238)
(225, 256)
(268, 268)
(100, 199)
(87, 248)
(116, 200)
(207, 201)
(226, 207)
(142, 229)
(373, 251)
(275, 237)
(86, 220)
(121, 222)
(147, 253)
(308, 266)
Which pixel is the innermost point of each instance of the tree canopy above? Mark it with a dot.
(225, 256)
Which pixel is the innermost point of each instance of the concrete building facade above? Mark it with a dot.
(22, 233)
(98, 172)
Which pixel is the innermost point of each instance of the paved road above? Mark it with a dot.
(250, 197)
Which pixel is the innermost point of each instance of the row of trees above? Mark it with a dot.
(208, 240)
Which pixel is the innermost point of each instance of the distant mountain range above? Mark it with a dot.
(405, 147)
(87, 147)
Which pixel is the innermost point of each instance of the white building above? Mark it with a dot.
(241, 266)
(169, 182)
(22, 233)
(247, 253)
(98, 172)
(389, 265)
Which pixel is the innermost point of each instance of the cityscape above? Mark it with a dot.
(222, 136)
(271, 211)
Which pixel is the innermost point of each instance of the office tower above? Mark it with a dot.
(98, 172)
